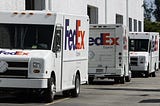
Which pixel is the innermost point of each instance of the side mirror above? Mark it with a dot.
(57, 39)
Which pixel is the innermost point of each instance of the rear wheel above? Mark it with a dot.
(154, 73)
(127, 78)
(76, 91)
(90, 80)
(147, 72)
(116, 80)
(122, 80)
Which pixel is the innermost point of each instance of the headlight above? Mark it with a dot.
(36, 65)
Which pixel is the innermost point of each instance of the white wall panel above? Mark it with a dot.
(12, 4)
(107, 9)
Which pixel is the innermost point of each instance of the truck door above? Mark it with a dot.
(152, 54)
(103, 49)
(151, 50)
(57, 49)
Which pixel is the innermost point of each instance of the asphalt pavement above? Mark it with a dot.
(140, 91)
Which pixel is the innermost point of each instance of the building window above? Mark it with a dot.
(135, 25)
(93, 14)
(130, 24)
(139, 26)
(35, 4)
(119, 19)
(29, 4)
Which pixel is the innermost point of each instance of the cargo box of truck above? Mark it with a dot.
(108, 53)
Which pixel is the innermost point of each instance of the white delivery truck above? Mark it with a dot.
(44, 51)
(144, 53)
(108, 53)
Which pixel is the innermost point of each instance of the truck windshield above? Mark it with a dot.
(22, 36)
(139, 45)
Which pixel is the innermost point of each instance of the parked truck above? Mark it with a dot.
(144, 53)
(43, 51)
(108, 53)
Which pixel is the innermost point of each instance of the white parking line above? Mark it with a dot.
(58, 101)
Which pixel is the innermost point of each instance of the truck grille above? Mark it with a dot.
(134, 61)
(16, 69)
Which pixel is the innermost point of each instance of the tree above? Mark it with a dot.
(151, 26)
(148, 10)
(156, 12)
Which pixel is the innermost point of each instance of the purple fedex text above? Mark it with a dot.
(74, 39)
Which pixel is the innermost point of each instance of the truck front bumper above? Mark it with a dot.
(138, 68)
(110, 72)
(22, 83)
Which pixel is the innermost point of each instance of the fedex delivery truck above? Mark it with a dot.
(144, 53)
(43, 51)
(108, 53)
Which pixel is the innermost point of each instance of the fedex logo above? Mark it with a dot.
(13, 53)
(104, 39)
(74, 39)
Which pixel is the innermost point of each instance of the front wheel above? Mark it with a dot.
(76, 91)
(50, 91)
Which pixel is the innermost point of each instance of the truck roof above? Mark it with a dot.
(27, 17)
(105, 25)
(142, 35)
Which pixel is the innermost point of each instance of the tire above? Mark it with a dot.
(76, 91)
(50, 91)
(90, 80)
(147, 73)
(122, 80)
(116, 80)
(128, 78)
(153, 74)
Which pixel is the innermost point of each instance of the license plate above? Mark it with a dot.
(99, 70)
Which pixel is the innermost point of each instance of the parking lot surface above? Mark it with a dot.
(139, 92)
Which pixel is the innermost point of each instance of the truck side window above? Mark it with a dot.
(57, 39)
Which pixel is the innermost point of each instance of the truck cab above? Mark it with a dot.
(144, 53)
(43, 51)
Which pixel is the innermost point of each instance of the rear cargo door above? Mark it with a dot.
(102, 48)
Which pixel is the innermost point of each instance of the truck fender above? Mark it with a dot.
(53, 75)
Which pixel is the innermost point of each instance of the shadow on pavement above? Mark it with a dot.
(128, 89)
(102, 82)
(25, 100)
(150, 101)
